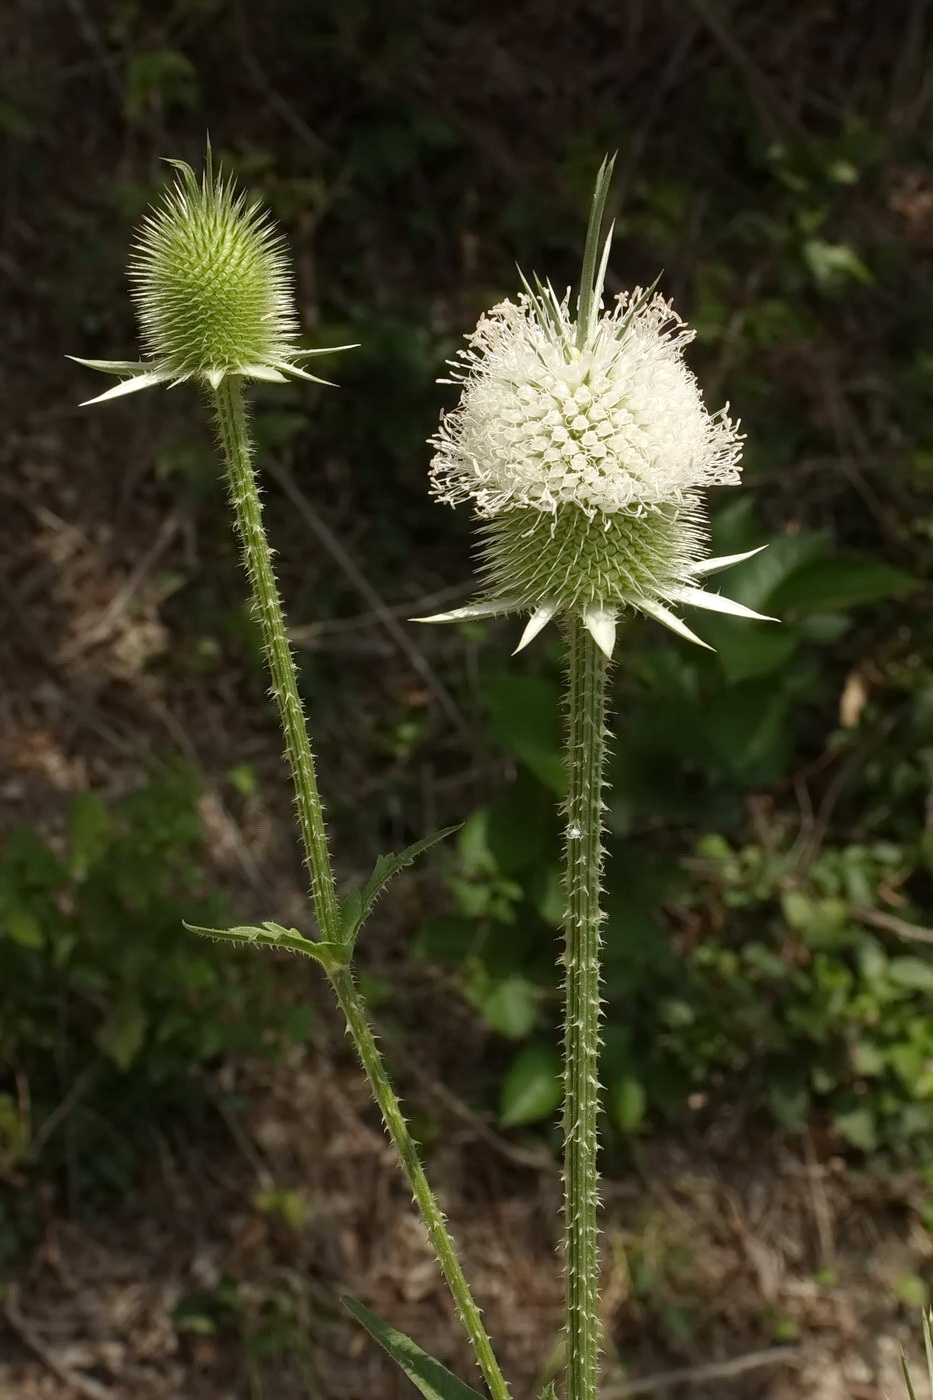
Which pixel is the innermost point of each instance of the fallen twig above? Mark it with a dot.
(892, 924)
(699, 1375)
(82, 1385)
(390, 622)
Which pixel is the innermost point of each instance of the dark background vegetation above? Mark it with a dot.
(769, 970)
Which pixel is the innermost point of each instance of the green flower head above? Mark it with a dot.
(212, 286)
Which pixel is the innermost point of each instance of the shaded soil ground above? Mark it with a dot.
(746, 1246)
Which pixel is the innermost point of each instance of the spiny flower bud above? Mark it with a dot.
(212, 286)
(583, 443)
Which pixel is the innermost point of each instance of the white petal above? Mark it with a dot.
(264, 372)
(600, 622)
(715, 602)
(664, 615)
(113, 366)
(496, 608)
(725, 561)
(538, 620)
(130, 386)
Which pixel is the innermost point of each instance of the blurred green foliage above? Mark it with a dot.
(769, 816)
(757, 967)
(112, 1016)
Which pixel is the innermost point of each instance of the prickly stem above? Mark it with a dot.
(244, 495)
(586, 746)
(230, 407)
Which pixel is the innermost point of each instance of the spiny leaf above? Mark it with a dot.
(270, 935)
(433, 1380)
(358, 903)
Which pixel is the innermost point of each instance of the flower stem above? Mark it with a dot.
(586, 745)
(353, 1009)
(235, 442)
(230, 405)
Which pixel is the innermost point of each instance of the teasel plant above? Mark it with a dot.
(583, 444)
(212, 287)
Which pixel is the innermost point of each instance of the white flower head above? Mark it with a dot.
(583, 443)
(615, 424)
(212, 286)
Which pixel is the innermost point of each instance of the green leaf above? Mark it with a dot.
(357, 904)
(524, 717)
(824, 585)
(22, 926)
(745, 650)
(433, 1380)
(628, 1102)
(859, 1129)
(745, 732)
(522, 827)
(270, 935)
(510, 1007)
(532, 1088)
(912, 1290)
(757, 581)
(122, 1034)
(915, 973)
(92, 830)
(834, 263)
(446, 939)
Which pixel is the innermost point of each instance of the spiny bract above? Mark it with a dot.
(212, 286)
(583, 442)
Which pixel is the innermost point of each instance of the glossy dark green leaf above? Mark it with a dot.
(433, 1380)
(524, 717)
(746, 650)
(757, 581)
(745, 731)
(823, 585)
